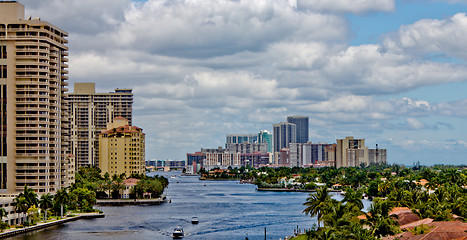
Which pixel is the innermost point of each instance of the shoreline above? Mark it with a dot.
(39, 226)
(290, 190)
(121, 202)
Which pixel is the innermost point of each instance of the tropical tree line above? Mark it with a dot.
(439, 193)
(107, 186)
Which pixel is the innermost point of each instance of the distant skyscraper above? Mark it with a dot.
(265, 137)
(301, 124)
(284, 133)
(241, 138)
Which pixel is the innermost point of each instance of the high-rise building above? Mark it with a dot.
(301, 124)
(122, 148)
(34, 125)
(265, 137)
(351, 152)
(284, 133)
(241, 138)
(90, 112)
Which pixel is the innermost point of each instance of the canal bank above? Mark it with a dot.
(39, 226)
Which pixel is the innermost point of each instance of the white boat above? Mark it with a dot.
(178, 233)
(194, 220)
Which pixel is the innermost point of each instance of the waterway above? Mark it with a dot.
(225, 209)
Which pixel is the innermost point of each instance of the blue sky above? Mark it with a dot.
(391, 71)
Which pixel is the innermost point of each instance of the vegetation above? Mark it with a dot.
(90, 178)
(438, 192)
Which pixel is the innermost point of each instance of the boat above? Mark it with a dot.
(178, 233)
(194, 220)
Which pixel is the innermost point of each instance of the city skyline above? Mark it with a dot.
(380, 70)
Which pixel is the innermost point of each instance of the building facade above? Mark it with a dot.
(90, 112)
(265, 137)
(351, 152)
(301, 124)
(283, 134)
(241, 138)
(246, 147)
(122, 149)
(34, 125)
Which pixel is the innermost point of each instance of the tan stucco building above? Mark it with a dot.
(122, 148)
(351, 152)
(34, 131)
(90, 112)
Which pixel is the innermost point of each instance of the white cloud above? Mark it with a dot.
(432, 36)
(355, 6)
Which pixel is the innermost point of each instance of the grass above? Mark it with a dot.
(301, 237)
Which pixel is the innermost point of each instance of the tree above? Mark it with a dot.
(21, 205)
(61, 198)
(3, 213)
(45, 203)
(30, 196)
(316, 203)
(378, 218)
(354, 197)
(117, 185)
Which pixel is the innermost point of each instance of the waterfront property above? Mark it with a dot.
(122, 148)
(90, 112)
(34, 134)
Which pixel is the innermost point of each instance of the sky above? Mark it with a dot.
(391, 71)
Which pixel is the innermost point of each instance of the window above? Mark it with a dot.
(3, 54)
(3, 72)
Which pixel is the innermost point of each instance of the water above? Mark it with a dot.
(225, 209)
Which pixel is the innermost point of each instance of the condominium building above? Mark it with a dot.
(351, 152)
(122, 148)
(241, 138)
(246, 147)
(90, 112)
(284, 133)
(34, 125)
(265, 137)
(301, 128)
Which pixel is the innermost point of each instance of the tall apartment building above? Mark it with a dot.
(284, 133)
(265, 137)
(34, 125)
(241, 138)
(122, 148)
(90, 112)
(351, 152)
(246, 147)
(301, 128)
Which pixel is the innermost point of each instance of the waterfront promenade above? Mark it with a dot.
(15, 231)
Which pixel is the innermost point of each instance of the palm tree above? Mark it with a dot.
(338, 215)
(316, 203)
(354, 197)
(62, 198)
(21, 205)
(3, 213)
(30, 196)
(117, 185)
(46, 202)
(379, 220)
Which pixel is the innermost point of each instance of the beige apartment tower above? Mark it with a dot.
(122, 149)
(33, 73)
(90, 113)
(351, 152)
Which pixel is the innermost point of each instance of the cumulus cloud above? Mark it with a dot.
(343, 6)
(432, 36)
(202, 69)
